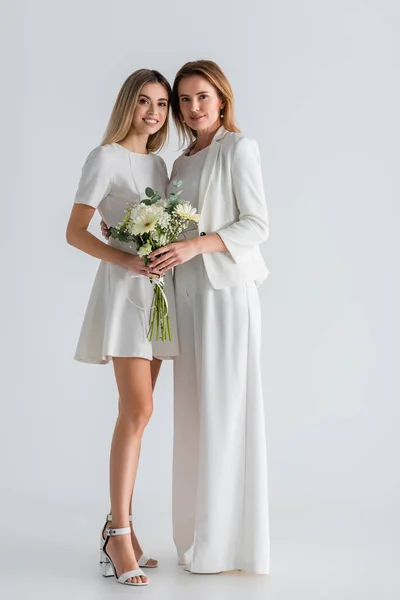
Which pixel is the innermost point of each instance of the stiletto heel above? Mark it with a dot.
(104, 557)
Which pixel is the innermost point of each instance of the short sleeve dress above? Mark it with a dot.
(117, 316)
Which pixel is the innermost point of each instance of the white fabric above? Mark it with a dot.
(113, 325)
(220, 502)
(232, 204)
(189, 169)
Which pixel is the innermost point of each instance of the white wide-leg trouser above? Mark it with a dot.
(220, 503)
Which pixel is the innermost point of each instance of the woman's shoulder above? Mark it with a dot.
(98, 164)
(99, 155)
(161, 163)
(232, 138)
(158, 158)
(239, 143)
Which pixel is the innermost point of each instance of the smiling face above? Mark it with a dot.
(151, 110)
(199, 103)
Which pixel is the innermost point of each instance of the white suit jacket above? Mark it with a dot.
(232, 204)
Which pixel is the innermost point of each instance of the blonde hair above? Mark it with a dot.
(214, 75)
(121, 118)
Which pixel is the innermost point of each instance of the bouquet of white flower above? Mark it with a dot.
(151, 224)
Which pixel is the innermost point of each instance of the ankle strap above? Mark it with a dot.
(109, 518)
(120, 531)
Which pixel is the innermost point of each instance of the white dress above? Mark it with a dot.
(117, 316)
(220, 502)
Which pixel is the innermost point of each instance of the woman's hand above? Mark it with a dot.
(132, 262)
(105, 232)
(174, 254)
(136, 263)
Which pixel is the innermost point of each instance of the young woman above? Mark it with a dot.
(220, 504)
(116, 320)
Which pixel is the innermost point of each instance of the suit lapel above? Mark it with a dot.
(209, 165)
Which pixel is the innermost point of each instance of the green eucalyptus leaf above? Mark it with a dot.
(149, 192)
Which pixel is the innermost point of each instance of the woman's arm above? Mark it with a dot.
(78, 236)
(178, 253)
(94, 186)
(252, 228)
(211, 242)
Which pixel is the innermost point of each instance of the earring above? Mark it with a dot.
(221, 114)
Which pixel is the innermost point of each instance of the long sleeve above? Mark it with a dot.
(252, 227)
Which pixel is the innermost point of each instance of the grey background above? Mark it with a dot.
(317, 84)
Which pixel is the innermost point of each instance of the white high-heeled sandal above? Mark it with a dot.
(106, 562)
(142, 561)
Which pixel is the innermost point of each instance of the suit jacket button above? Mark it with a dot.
(202, 233)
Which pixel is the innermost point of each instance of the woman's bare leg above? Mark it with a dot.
(155, 366)
(134, 383)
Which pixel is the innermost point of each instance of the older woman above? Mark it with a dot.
(220, 504)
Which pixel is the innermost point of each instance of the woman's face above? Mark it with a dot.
(199, 103)
(151, 109)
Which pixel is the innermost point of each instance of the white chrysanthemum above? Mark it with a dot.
(145, 219)
(145, 249)
(185, 211)
(136, 210)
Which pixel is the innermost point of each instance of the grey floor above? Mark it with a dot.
(314, 556)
